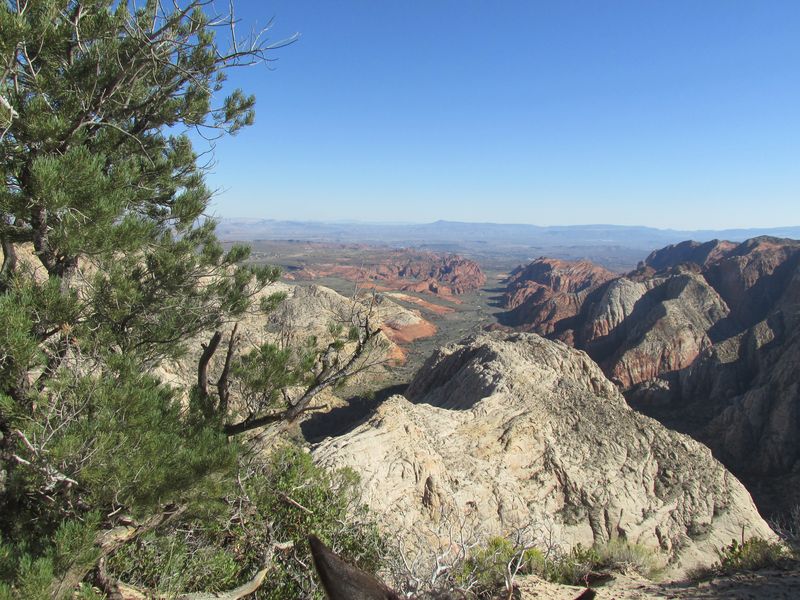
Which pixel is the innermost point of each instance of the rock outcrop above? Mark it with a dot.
(702, 336)
(668, 332)
(689, 251)
(310, 311)
(514, 429)
(549, 291)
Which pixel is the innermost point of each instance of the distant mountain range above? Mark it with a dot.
(495, 234)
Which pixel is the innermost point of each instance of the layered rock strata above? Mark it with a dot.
(410, 271)
(702, 337)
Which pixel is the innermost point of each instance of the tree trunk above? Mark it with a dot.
(9, 261)
(202, 374)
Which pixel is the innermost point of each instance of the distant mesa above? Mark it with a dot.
(702, 336)
(407, 271)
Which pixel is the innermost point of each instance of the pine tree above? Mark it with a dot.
(109, 268)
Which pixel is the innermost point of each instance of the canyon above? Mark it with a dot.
(658, 406)
(403, 270)
(701, 336)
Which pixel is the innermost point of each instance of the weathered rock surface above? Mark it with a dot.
(689, 251)
(310, 310)
(748, 585)
(515, 429)
(703, 337)
(668, 333)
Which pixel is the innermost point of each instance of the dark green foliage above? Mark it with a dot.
(334, 511)
(96, 158)
(33, 571)
(109, 269)
(171, 563)
(263, 518)
(122, 437)
(752, 555)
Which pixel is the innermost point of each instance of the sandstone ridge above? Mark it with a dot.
(516, 429)
(548, 291)
(701, 336)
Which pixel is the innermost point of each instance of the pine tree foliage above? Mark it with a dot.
(109, 269)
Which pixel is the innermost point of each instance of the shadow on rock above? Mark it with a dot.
(343, 419)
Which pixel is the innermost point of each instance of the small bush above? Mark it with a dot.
(265, 516)
(490, 568)
(621, 555)
(572, 568)
(169, 564)
(752, 555)
(577, 566)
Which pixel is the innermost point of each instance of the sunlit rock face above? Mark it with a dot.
(702, 337)
(548, 291)
(513, 429)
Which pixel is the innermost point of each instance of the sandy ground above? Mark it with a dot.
(756, 586)
(437, 309)
(762, 585)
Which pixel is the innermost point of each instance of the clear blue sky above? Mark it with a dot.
(677, 113)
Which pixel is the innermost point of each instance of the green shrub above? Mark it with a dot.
(752, 555)
(169, 563)
(620, 555)
(486, 568)
(572, 568)
(279, 502)
(26, 574)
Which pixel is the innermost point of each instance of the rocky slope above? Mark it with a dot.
(513, 429)
(311, 310)
(689, 251)
(703, 336)
(548, 291)
(407, 270)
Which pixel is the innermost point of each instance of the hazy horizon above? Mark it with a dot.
(344, 221)
(677, 115)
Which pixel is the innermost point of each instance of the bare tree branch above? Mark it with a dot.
(202, 368)
(108, 542)
(117, 590)
(223, 385)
